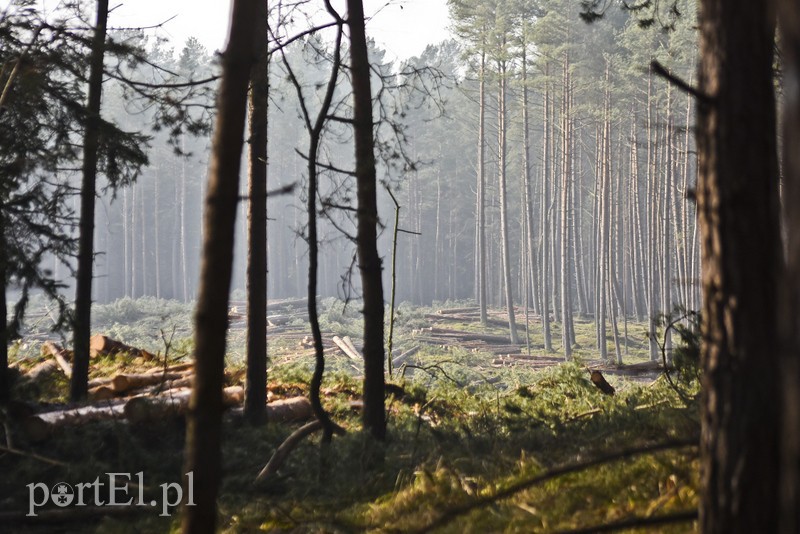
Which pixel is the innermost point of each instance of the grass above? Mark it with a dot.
(462, 432)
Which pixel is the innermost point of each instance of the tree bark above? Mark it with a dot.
(203, 432)
(369, 262)
(790, 306)
(506, 252)
(545, 311)
(83, 291)
(741, 265)
(255, 397)
(481, 246)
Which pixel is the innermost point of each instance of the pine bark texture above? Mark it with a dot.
(738, 208)
(789, 17)
(204, 421)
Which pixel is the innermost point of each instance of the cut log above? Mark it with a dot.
(449, 311)
(41, 426)
(177, 368)
(172, 403)
(102, 392)
(60, 355)
(405, 356)
(127, 382)
(289, 410)
(352, 346)
(41, 369)
(104, 345)
(347, 349)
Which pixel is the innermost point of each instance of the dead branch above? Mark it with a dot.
(282, 453)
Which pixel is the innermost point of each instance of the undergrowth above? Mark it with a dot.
(461, 434)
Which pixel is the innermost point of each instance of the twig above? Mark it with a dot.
(33, 455)
(662, 71)
(282, 453)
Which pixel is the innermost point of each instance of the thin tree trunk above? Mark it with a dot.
(481, 246)
(182, 225)
(83, 290)
(545, 311)
(652, 301)
(204, 419)
(368, 259)
(566, 301)
(505, 251)
(255, 397)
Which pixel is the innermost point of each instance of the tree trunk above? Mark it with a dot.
(506, 252)
(204, 421)
(369, 262)
(83, 291)
(737, 200)
(5, 382)
(481, 246)
(652, 270)
(566, 170)
(255, 397)
(545, 311)
(790, 305)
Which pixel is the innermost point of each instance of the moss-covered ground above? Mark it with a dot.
(466, 443)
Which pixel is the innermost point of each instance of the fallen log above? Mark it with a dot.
(105, 346)
(405, 356)
(60, 355)
(127, 382)
(41, 369)
(449, 311)
(177, 368)
(289, 410)
(345, 347)
(41, 426)
(172, 403)
(102, 392)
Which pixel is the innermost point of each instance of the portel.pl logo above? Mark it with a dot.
(115, 490)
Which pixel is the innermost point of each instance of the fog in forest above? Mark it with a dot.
(595, 153)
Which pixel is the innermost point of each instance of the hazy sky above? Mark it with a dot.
(402, 27)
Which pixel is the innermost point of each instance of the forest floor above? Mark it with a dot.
(485, 437)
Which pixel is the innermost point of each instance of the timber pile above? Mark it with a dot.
(100, 345)
(471, 341)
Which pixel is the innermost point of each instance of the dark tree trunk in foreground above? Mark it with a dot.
(204, 420)
(5, 382)
(368, 260)
(790, 307)
(255, 398)
(738, 208)
(83, 289)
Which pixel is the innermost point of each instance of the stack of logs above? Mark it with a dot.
(154, 394)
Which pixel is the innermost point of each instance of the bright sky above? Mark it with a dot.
(402, 27)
